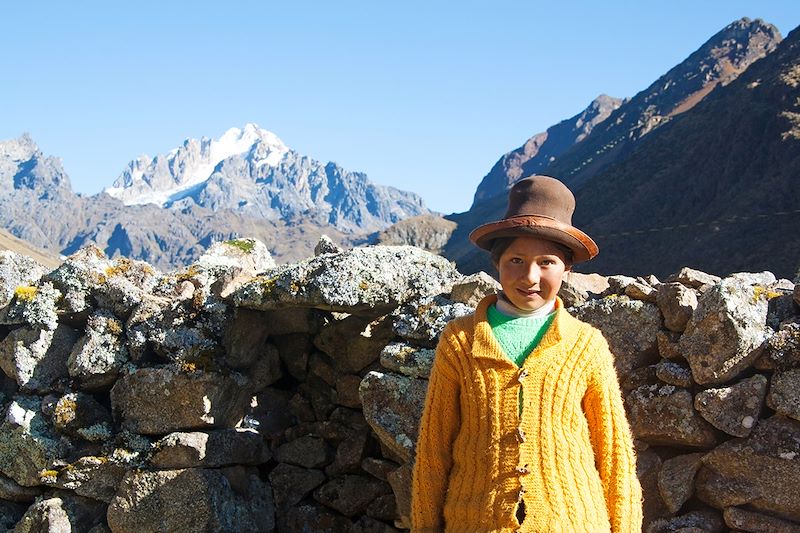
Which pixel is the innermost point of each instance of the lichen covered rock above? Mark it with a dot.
(665, 415)
(98, 356)
(733, 409)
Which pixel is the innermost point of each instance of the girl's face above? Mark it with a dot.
(531, 270)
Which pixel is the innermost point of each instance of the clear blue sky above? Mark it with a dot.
(421, 95)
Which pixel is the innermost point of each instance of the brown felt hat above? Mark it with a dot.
(538, 206)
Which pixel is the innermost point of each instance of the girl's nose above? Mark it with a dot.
(532, 273)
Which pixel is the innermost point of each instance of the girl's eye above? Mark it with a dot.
(516, 260)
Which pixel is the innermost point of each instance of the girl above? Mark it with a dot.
(524, 427)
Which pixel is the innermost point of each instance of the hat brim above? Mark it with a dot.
(582, 246)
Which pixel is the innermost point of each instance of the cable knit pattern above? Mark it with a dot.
(568, 454)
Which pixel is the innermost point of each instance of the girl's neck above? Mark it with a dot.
(505, 306)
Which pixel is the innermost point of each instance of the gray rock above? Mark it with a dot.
(266, 370)
(784, 393)
(367, 524)
(407, 359)
(668, 346)
(153, 401)
(349, 455)
(210, 449)
(354, 342)
(314, 517)
(12, 491)
(192, 500)
(245, 340)
(230, 264)
(98, 356)
(79, 415)
(37, 359)
(291, 484)
(124, 284)
(308, 452)
(648, 466)
(706, 521)
(393, 406)
(17, 270)
(61, 512)
(325, 245)
(674, 373)
(734, 409)
(422, 320)
(677, 304)
(694, 279)
(347, 386)
(744, 520)
(95, 477)
(577, 288)
(629, 326)
(664, 415)
(761, 471)
(78, 276)
(293, 320)
(726, 328)
(782, 350)
(400, 481)
(472, 289)
(383, 508)
(28, 445)
(617, 285)
(295, 350)
(378, 468)
(361, 279)
(639, 377)
(34, 306)
(641, 291)
(350, 494)
(676, 479)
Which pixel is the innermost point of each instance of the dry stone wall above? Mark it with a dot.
(237, 395)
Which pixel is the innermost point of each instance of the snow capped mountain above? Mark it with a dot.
(252, 172)
(165, 178)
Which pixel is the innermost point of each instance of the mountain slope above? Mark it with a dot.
(717, 62)
(718, 187)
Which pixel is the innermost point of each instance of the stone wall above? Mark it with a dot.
(237, 395)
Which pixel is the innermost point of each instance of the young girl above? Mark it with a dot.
(524, 427)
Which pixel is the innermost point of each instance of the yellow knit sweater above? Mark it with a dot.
(568, 454)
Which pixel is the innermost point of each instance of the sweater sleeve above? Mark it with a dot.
(437, 431)
(612, 441)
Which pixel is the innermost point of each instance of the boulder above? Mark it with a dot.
(34, 306)
(350, 494)
(705, 521)
(210, 449)
(124, 284)
(80, 416)
(244, 340)
(617, 285)
(782, 350)
(641, 291)
(694, 279)
(676, 479)
(314, 517)
(761, 471)
(784, 393)
(423, 319)
(400, 481)
(28, 446)
(16, 270)
(79, 276)
(290, 484)
(674, 373)
(157, 401)
(677, 303)
(577, 288)
(325, 245)
(354, 342)
(733, 409)
(629, 326)
(474, 288)
(744, 520)
(367, 524)
(378, 468)
(192, 500)
(668, 346)
(374, 279)
(10, 490)
(393, 406)
(347, 390)
(665, 415)
(307, 451)
(648, 465)
(61, 511)
(37, 358)
(726, 328)
(230, 264)
(407, 359)
(95, 477)
(349, 455)
(98, 356)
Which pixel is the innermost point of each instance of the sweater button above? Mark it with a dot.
(523, 470)
(520, 435)
(522, 374)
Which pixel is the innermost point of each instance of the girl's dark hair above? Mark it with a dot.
(500, 244)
